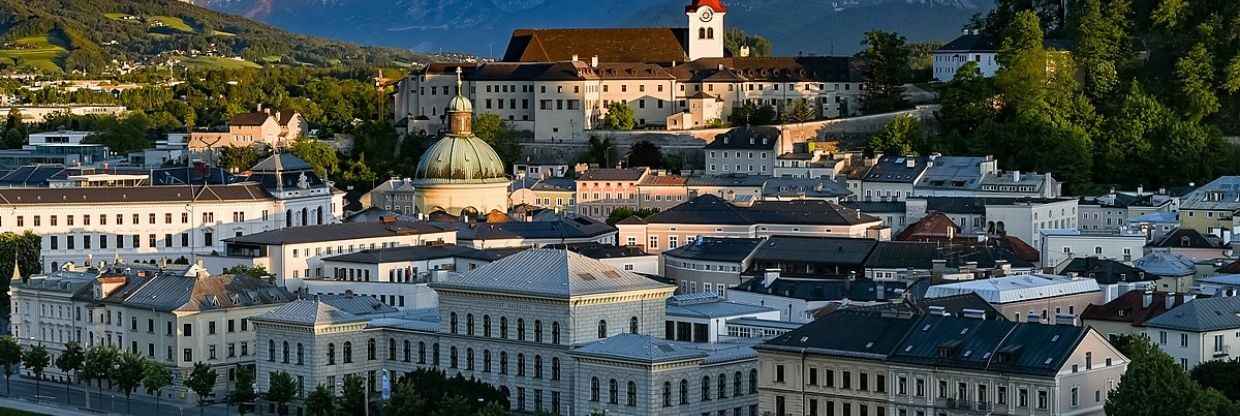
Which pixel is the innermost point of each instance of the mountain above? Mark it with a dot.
(56, 35)
(483, 26)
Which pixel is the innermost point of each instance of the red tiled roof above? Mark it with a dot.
(663, 180)
(935, 226)
(649, 45)
(715, 5)
(1129, 307)
(249, 119)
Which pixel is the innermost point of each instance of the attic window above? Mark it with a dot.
(1047, 362)
(803, 339)
(869, 345)
(925, 328)
(908, 348)
(963, 331)
(968, 353)
(1055, 338)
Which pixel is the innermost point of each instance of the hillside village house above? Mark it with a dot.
(557, 83)
(1212, 208)
(273, 129)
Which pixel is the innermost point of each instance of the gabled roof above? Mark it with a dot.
(1130, 308)
(716, 249)
(1201, 315)
(934, 226)
(969, 43)
(249, 119)
(901, 254)
(337, 232)
(1105, 271)
(284, 162)
(848, 334)
(1189, 238)
(413, 253)
(710, 209)
(746, 138)
(556, 274)
(328, 310)
(803, 187)
(1017, 288)
(897, 169)
(831, 250)
(1166, 264)
(133, 195)
(172, 291)
(644, 45)
(612, 174)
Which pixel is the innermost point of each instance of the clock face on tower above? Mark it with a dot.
(707, 15)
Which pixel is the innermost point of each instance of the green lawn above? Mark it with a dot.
(215, 62)
(115, 16)
(38, 51)
(174, 23)
(13, 412)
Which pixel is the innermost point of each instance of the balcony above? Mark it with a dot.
(1221, 351)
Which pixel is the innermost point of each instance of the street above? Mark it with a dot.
(53, 394)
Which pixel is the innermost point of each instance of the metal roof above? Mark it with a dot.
(1019, 288)
(337, 232)
(549, 273)
(413, 253)
(1201, 315)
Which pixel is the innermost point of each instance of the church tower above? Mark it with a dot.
(705, 28)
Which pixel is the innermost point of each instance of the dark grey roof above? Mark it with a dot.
(803, 187)
(284, 162)
(611, 174)
(902, 254)
(727, 180)
(716, 249)
(569, 228)
(642, 348)
(337, 232)
(973, 205)
(413, 253)
(327, 310)
(706, 305)
(132, 195)
(939, 341)
(815, 289)
(556, 274)
(746, 138)
(1201, 315)
(1189, 238)
(832, 250)
(970, 43)
(876, 206)
(178, 291)
(896, 169)
(596, 250)
(1105, 271)
(710, 209)
(555, 184)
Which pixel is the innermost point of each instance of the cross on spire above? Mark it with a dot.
(458, 80)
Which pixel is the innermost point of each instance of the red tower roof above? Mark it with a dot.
(715, 5)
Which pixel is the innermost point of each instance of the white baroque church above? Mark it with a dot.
(558, 83)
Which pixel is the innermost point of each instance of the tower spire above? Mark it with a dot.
(17, 271)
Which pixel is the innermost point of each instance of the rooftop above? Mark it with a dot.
(716, 249)
(413, 253)
(710, 209)
(550, 273)
(1166, 264)
(1017, 288)
(1201, 315)
(337, 232)
(328, 310)
(612, 174)
(710, 306)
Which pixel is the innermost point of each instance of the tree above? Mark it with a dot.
(1101, 35)
(98, 366)
(321, 156)
(36, 360)
(239, 158)
(242, 393)
(70, 361)
(1152, 373)
(801, 112)
(123, 135)
(406, 400)
(647, 154)
(619, 116)
(496, 132)
(247, 270)
(322, 402)
(902, 136)
(887, 69)
(280, 390)
(1221, 375)
(625, 212)
(130, 369)
(735, 38)
(154, 378)
(599, 152)
(1195, 76)
(10, 358)
(353, 396)
(25, 247)
(201, 381)
(14, 130)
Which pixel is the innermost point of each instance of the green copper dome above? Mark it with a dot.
(460, 159)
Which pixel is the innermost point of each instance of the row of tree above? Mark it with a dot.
(1155, 385)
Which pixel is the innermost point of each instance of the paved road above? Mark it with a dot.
(108, 402)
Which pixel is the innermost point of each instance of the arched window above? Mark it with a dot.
(452, 360)
(710, 33)
(701, 33)
(421, 352)
(594, 389)
(555, 333)
(469, 324)
(452, 322)
(271, 350)
(613, 392)
(537, 331)
(705, 388)
(503, 327)
(520, 365)
(348, 352)
(486, 361)
(331, 354)
(667, 394)
(753, 381)
(632, 394)
(537, 366)
(520, 329)
(288, 218)
(408, 352)
(392, 349)
(301, 354)
(469, 358)
(503, 362)
(486, 326)
(633, 325)
(305, 216)
(284, 351)
(370, 349)
(736, 384)
(723, 386)
(555, 368)
(684, 391)
(435, 354)
(602, 328)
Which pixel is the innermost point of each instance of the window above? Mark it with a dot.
(667, 394)
(594, 389)
(753, 381)
(602, 329)
(705, 388)
(779, 373)
(613, 392)
(631, 394)
(301, 354)
(684, 391)
(348, 352)
(1043, 399)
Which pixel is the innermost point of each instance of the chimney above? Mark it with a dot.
(973, 313)
(744, 52)
(910, 162)
(1065, 319)
(937, 310)
(1189, 297)
(259, 108)
(594, 61)
(938, 266)
(1147, 299)
(574, 57)
(1140, 190)
(1170, 300)
(1016, 176)
(769, 276)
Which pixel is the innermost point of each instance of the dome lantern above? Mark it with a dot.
(460, 111)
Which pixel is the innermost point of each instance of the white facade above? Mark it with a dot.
(1061, 246)
(1026, 220)
(705, 32)
(1190, 348)
(946, 63)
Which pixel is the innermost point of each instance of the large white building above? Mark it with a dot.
(557, 83)
(971, 46)
(1199, 330)
(168, 223)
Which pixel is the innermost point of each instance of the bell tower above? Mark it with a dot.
(705, 28)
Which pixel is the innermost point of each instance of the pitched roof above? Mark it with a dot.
(900, 254)
(832, 250)
(413, 253)
(337, 232)
(571, 227)
(1162, 263)
(1220, 194)
(746, 138)
(803, 187)
(1189, 238)
(612, 174)
(708, 305)
(1201, 315)
(663, 180)
(328, 310)
(557, 274)
(1017, 288)
(934, 226)
(1130, 307)
(646, 45)
(133, 195)
(848, 334)
(249, 119)
(970, 43)
(820, 289)
(770, 69)
(715, 5)
(643, 348)
(284, 162)
(897, 169)
(716, 249)
(1105, 271)
(710, 209)
(173, 291)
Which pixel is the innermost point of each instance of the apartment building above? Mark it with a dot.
(936, 365)
(745, 150)
(1197, 331)
(1061, 246)
(602, 190)
(1211, 209)
(1031, 297)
